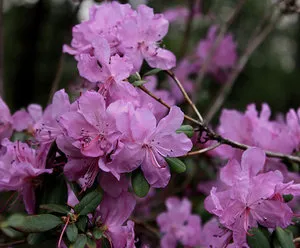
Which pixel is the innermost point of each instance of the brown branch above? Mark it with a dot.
(143, 88)
(184, 93)
(212, 50)
(13, 243)
(1, 51)
(227, 87)
(188, 29)
(207, 149)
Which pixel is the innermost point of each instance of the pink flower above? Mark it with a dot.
(146, 143)
(90, 127)
(25, 120)
(252, 197)
(6, 121)
(254, 129)
(20, 167)
(112, 214)
(147, 101)
(214, 235)
(225, 55)
(140, 35)
(47, 128)
(179, 225)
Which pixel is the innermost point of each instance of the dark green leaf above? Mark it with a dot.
(91, 243)
(97, 233)
(89, 203)
(105, 243)
(82, 222)
(12, 233)
(80, 241)
(176, 165)
(257, 239)
(139, 183)
(53, 191)
(152, 72)
(36, 238)
(72, 232)
(15, 219)
(187, 129)
(56, 208)
(285, 238)
(139, 83)
(37, 223)
(288, 198)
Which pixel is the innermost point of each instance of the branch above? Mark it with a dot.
(207, 149)
(214, 136)
(227, 87)
(184, 93)
(214, 47)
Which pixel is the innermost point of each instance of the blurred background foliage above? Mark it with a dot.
(35, 31)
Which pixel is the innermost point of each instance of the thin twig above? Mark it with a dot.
(212, 50)
(207, 149)
(158, 99)
(226, 89)
(188, 29)
(296, 240)
(146, 226)
(184, 93)
(13, 243)
(1, 51)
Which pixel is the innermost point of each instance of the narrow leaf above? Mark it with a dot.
(152, 72)
(72, 232)
(139, 183)
(91, 243)
(176, 165)
(37, 223)
(82, 223)
(285, 238)
(134, 77)
(97, 233)
(88, 203)
(139, 83)
(187, 129)
(257, 239)
(56, 208)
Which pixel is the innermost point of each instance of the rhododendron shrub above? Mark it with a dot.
(125, 164)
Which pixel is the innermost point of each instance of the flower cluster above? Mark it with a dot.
(245, 203)
(116, 39)
(179, 225)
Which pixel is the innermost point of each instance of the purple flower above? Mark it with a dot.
(179, 225)
(25, 120)
(245, 203)
(225, 55)
(47, 128)
(6, 121)
(112, 214)
(146, 143)
(20, 167)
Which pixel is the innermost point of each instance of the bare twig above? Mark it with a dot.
(1, 51)
(184, 93)
(146, 226)
(214, 47)
(143, 88)
(226, 89)
(13, 243)
(207, 149)
(188, 29)
(296, 240)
